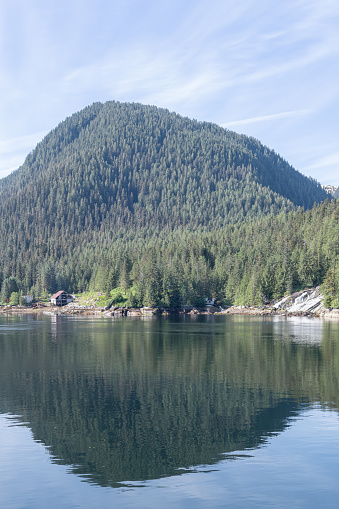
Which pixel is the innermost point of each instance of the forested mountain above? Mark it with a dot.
(139, 165)
(114, 177)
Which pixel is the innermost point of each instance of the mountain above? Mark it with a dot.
(115, 169)
(141, 165)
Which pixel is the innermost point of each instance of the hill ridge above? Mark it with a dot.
(113, 169)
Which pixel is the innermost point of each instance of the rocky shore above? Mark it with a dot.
(305, 303)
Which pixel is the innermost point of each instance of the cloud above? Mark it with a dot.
(265, 118)
(13, 151)
(20, 143)
(326, 161)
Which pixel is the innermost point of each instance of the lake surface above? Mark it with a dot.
(185, 412)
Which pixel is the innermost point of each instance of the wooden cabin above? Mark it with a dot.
(61, 298)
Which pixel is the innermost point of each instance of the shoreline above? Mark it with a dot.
(160, 311)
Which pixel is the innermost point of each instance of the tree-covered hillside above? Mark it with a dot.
(139, 165)
(108, 181)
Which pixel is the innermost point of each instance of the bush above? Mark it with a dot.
(119, 300)
(14, 299)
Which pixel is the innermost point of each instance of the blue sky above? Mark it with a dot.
(262, 68)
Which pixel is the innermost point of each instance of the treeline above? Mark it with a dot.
(247, 263)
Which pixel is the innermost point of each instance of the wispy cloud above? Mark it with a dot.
(13, 151)
(20, 143)
(325, 162)
(265, 118)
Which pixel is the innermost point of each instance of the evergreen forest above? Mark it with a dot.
(168, 209)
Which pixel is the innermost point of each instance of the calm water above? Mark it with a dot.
(192, 412)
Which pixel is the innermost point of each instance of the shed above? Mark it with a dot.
(27, 299)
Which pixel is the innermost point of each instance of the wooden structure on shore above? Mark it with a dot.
(61, 298)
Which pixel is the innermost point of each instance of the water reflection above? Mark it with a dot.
(136, 400)
(299, 330)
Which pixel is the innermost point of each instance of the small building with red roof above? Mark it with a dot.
(61, 298)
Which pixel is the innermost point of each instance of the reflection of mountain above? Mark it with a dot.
(132, 428)
(137, 400)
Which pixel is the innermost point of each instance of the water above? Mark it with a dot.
(189, 412)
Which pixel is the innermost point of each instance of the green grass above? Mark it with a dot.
(99, 299)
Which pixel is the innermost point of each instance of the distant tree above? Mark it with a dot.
(125, 280)
(15, 299)
(48, 279)
(329, 288)
(9, 286)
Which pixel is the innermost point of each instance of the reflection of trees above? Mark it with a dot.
(137, 400)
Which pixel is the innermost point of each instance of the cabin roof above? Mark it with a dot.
(56, 295)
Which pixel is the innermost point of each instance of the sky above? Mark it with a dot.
(267, 69)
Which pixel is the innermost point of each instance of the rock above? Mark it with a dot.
(133, 312)
(147, 311)
(307, 301)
